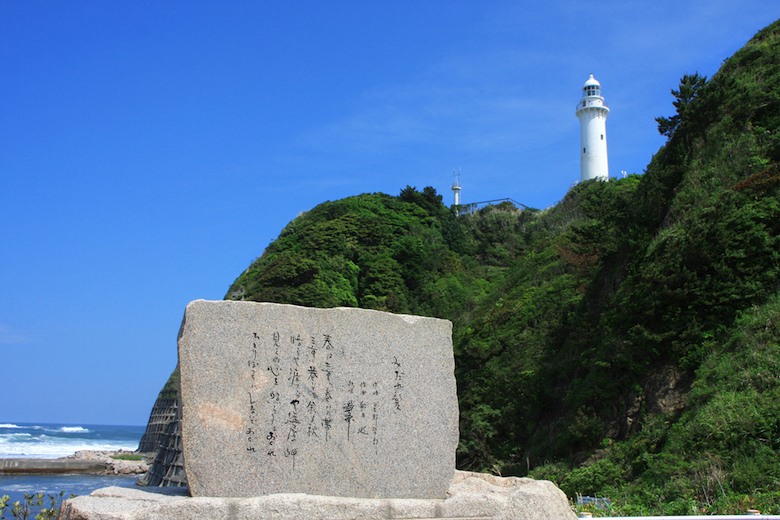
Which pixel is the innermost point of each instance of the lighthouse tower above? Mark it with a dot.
(592, 112)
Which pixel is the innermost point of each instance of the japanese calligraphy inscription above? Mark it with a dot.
(340, 402)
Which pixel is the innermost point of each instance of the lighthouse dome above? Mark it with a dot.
(592, 82)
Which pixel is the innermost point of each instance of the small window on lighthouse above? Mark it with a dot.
(602, 137)
(583, 150)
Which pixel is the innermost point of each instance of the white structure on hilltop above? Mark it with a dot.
(592, 112)
(456, 187)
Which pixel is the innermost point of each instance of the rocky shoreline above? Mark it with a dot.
(82, 462)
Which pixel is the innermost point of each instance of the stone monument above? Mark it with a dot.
(337, 402)
(291, 413)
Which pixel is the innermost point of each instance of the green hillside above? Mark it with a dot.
(623, 343)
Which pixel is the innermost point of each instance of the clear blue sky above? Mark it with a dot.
(149, 151)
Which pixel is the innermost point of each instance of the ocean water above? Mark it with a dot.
(16, 486)
(51, 441)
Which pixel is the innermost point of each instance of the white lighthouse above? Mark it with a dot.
(456, 187)
(592, 112)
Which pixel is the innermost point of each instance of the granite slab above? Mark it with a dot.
(335, 402)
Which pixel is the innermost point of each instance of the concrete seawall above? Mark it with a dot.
(50, 466)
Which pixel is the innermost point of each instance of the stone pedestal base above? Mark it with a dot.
(471, 496)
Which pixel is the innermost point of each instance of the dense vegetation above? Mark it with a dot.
(623, 343)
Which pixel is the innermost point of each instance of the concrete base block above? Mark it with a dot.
(471, 496)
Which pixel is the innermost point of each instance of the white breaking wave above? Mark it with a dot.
(46, 447)
(73, 429)
(9, 426)
(15, 437)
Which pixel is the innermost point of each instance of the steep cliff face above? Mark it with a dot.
(594, 333)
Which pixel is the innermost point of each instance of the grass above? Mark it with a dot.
(128, 456)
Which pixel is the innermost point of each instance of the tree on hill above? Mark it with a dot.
(688, 89)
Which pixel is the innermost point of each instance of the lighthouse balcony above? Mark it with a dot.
(585, 103)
